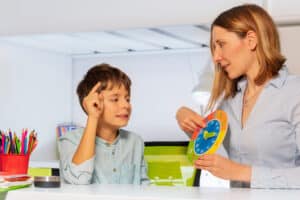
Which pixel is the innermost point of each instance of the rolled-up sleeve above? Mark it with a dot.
(144, 180)
(141, 177)
(75, 174)
(275, 178)
(282, 178)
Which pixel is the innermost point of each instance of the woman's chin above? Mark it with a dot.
(232, 76)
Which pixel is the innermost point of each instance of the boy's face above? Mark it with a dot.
(117, 107)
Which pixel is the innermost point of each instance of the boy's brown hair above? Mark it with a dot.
(107, 75)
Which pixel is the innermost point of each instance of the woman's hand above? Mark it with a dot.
(188, 120)
(93, 102)
(224, 168)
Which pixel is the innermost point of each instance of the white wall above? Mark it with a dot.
(35, 93)
(290, 44)
(162, 83)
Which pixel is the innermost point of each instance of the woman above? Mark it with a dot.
(261, 99)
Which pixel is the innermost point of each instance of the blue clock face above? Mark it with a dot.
(207, 137)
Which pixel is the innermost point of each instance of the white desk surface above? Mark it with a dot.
(126, 192)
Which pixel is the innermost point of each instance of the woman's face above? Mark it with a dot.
(231, 52)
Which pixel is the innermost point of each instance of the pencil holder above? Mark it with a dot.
(14, 163)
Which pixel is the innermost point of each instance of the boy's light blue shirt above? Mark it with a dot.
(119, 163)
(270, 140)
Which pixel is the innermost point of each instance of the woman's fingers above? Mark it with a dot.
(205, 160)
(204, 163)
(198, 121)
(187, 128)
(188, 123)
(188, 120)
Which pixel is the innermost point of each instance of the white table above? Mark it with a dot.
(126, 192)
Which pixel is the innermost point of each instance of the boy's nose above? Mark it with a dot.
(126, 104)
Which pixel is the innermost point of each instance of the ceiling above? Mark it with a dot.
(112, 26)
(118, 41)
(69, 16)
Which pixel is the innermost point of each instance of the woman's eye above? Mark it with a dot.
(221, 44)
(114, 100)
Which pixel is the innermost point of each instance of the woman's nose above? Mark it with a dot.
(217, 56)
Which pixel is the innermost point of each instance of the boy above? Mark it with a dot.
(102, 152)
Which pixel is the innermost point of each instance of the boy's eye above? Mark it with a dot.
(114, 99)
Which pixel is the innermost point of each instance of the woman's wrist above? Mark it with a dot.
(244, 173)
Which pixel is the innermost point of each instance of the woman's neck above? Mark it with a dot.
(253, 70)
(252, 87)
(251, 75)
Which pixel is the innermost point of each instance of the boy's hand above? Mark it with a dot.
(93, 102)
(188, 120)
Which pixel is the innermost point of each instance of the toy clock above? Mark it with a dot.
(208, 139)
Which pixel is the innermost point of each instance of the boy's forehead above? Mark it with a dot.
(115, 87)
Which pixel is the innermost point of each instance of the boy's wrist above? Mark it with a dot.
(91, 124)
(92, 119)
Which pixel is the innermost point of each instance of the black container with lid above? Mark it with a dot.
(47, 181)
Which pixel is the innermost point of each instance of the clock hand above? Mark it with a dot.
(207, 135)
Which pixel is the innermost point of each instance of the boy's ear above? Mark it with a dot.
(83, 107)
(251, 39)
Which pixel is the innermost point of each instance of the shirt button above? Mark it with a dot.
(114, 169)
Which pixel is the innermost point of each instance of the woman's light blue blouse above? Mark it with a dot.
(270, 139)
(119, 163)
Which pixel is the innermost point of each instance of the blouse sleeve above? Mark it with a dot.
(287, 177)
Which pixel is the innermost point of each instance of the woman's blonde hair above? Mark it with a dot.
(240, 20)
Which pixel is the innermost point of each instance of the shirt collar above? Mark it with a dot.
(241, 84)
(277, 81)
(99, 140)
